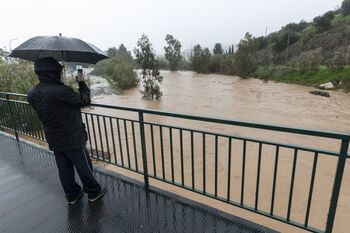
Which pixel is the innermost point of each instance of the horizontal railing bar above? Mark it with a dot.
(15, 101)
(119, 165)
(13, 94)
(286, 129)
(113, 117)
(25, 134)
(246, 207)
(249, 139)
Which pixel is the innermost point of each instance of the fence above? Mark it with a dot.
(242, 171)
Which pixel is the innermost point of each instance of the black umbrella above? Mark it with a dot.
(59, 47)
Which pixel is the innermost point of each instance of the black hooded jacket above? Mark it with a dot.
(58, 107)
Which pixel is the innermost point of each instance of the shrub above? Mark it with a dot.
(121, 75)
(17, 77)
(339, 59)
(228, 65)
(309, 60)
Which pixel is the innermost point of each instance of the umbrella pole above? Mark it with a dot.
(64, 67)
(64, 70)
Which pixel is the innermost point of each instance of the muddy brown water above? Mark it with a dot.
(229, 97)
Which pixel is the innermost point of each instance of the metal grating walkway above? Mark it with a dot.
(32, 200)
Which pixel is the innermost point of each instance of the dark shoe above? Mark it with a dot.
(72, 201)
(97, 195)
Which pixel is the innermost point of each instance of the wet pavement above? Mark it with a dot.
(32, 200)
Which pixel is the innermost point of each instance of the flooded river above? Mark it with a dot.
(252, 100)
(244, 99)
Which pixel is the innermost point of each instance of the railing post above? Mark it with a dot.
(12, 116)
(143, 145)
(337, 184)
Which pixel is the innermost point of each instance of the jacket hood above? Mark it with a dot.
(48, 70)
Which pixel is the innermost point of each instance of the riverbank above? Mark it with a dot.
(340, 79)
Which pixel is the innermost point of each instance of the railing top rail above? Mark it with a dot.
(13, 94)
(279, 128)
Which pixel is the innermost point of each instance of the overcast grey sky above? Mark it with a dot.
(107, 23)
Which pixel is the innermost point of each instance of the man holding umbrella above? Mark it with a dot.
(58, 108)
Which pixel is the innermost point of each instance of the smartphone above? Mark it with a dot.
(80, 73)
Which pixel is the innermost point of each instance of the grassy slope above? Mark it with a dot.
(315, 78)
(322, 75)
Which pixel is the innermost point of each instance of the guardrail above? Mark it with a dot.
(188, 157)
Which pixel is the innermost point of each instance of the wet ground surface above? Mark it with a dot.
(31, 200)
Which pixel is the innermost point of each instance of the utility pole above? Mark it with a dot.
(287, 49)
(268, 58)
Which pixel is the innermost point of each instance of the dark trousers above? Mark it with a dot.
(66, 161)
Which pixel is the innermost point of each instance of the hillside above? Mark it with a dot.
(325, 44)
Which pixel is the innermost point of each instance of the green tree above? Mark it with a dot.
(118, 70)
(345, 7)
(295, 27)
(323, 22)
(112, 52)
(122, 54)
(245, 55)
(218, 49)
(229, 50)
(262, 42)
(173, 52)
(216, 63)
(121, 74)
(196, 58)
(150, 75)
(286, 39)
(200, 59)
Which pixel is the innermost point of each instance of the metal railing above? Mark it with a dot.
(198, 160)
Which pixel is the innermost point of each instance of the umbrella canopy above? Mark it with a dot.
(59, 47)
